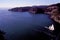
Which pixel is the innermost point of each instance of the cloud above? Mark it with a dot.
(8, 5)
(19, 3)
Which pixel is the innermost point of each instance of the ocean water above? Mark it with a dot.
(17, 24)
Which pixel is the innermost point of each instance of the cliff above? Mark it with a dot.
(54, 12)
(20, 9)
(28, 9)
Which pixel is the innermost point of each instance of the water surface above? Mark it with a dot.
(16, 24)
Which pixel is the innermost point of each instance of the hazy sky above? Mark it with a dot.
(18, 3)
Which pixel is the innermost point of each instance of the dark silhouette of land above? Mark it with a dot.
(33, 9)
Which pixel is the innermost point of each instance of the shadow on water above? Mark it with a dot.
(2, 37)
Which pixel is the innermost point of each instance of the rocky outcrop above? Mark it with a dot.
(54, 11)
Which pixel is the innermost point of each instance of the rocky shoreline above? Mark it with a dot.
(48, 9)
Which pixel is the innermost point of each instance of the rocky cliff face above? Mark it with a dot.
(53, 11)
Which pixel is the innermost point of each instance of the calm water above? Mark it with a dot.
(16, 24)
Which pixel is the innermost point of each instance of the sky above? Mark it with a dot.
(21, 3)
